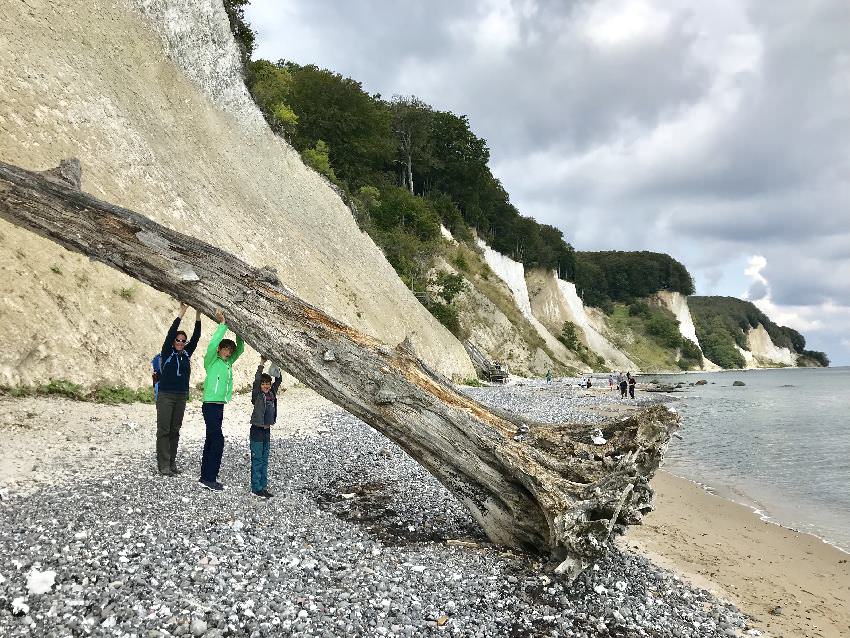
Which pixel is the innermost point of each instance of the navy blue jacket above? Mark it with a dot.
(175, 367)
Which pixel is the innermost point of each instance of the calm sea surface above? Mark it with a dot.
(780, 444)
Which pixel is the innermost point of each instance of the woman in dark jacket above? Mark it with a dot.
(174, 371)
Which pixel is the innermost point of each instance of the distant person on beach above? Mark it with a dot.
(610, 381)
(624, 386)
(264, 415)
(588, 383)
(548, 376)
(172, 390)
(632, 384)
(218, 389)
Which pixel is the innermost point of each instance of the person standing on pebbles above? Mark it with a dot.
(173, 378)
(218, 389)
(264, 415)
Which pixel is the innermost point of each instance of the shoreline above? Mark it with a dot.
(708, 540)
(754, 509)
(723, 546)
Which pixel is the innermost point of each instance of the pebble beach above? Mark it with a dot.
(359, 539)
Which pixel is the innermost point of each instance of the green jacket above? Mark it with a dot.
(218, 386)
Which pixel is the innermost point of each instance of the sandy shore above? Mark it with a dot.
(725, 548)
(714, 543)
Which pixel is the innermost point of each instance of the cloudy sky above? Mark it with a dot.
(718, 132)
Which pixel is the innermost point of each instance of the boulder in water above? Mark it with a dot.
(738, 383)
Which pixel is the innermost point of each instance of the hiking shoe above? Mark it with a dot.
(267, 494)
(262, 493)
(166, 473)
(176, 470)
(211, 485)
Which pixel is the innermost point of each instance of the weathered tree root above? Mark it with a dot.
(553, 490)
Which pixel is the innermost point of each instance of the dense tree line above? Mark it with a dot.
(604, 277)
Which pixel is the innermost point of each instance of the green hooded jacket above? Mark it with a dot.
(218, 386)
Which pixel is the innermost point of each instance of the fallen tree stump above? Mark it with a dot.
(540, 487)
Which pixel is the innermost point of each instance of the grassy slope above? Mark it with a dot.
(628, 333)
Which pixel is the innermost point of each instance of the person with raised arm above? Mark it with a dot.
(263, 417)
(174, 370)
(218, 389)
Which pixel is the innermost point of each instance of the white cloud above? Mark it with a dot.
(621, 22)
(755, 264)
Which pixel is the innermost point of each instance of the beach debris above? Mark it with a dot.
(39, 582)
(597, 438)
(776, 611)
(19, 606)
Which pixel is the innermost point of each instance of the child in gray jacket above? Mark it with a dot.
(264, 398)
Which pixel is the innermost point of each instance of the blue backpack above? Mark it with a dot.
(157, 370)
(156, 364)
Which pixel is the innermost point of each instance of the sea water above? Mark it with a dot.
(779, 444)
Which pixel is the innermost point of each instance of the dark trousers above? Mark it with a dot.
(214, 443)
(169, 417)
(632, 391)
(259, 465)
(623, 388)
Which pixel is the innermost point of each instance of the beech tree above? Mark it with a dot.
(412, 126)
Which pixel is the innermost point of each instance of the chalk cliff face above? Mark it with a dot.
(764, 353)
(677, 303)
(147, 95)
(513, 274)
(556, 301)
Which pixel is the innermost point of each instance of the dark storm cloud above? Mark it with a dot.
(712, 131)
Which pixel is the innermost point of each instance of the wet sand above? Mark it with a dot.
(724, 547)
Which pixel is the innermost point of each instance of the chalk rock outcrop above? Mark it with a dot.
(513, 274)
(677, 303)
(555, 301)
(764, 353)
(148, 95)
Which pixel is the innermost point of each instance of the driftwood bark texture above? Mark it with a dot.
(541, 487)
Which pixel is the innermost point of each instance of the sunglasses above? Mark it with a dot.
(179, 341)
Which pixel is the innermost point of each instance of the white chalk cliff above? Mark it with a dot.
(677, 303)
(512, 273)
(555, 301)
(763, 352)
(148, 95)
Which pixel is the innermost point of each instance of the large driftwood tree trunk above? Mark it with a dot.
(530, 485)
